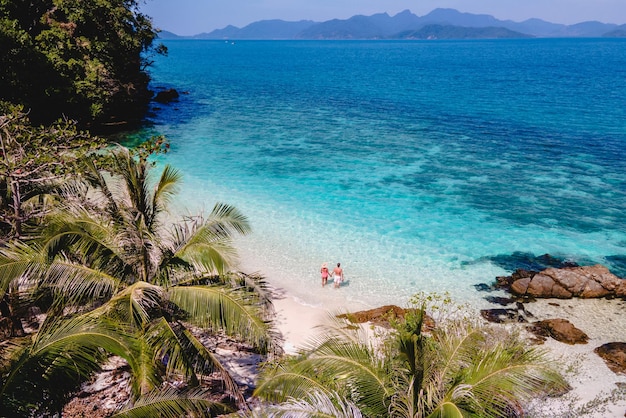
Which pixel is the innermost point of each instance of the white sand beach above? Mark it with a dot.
(597, 391)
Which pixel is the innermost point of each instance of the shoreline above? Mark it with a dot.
(586, 372)
(301, 305)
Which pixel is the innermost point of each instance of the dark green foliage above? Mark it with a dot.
(33, 161)
(78, 58)
(119, 278)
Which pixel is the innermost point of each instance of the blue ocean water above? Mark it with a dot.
(420, 166)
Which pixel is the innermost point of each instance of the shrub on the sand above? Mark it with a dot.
(461, 368)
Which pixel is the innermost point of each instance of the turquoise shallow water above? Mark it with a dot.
(428, 166)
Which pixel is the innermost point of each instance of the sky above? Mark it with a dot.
(190, 17)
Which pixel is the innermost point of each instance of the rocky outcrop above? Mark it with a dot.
(560, 329)
(166, 96)
(507, 315)
(614, 355)
(583, 282)
(383, 315)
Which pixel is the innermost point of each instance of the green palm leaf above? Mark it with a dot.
(340, 359)
(134, 305)
(105, 245)
(166, 188)
(208, 244)
(76, 282)
(16, 261)
(461, 369)
(316, 404)
(146, 376)
(217, 308)
(171, 403)
(62, 354)
(227, 219)
(180, 350)
(253, 284)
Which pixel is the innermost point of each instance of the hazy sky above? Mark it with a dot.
(190, 17)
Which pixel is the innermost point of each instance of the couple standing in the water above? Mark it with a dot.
(337, 274)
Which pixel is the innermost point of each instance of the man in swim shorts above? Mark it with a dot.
(338, 275)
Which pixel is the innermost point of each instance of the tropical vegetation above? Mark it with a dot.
(110, 273)
(459, 368)
(33, 161)
(94, 263)
(93, 266)
(80, 59)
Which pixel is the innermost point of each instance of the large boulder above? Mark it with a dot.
(564, 283)
(382, 316)
(560, 329)
(166, 96)
(614, 355)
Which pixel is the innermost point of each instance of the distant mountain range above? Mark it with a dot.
(438, 24)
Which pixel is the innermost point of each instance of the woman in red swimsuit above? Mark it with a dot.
(324, 272)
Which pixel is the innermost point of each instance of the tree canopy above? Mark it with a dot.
(34, 160)
(81, 59)
(114, 274)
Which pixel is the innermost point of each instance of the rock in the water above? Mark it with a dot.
(614, 355)
(498, 300)
(583, 282)
(560, 329)
(483, 287)
(502, 315)
(166, 96)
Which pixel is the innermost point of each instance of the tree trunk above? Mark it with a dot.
(16, 322)
(17, 209)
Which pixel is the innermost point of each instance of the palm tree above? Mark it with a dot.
(460, 369)
(107, 255)
(66, 351)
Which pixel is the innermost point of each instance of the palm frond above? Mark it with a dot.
(135, 186)
(16, 260)
(340, 359)
(501, 378)
(484, 374)
(205, 245)
(181, 351)
(280, 382)
(254, 284)
(448, 410)
(81, 230)
(94, 177)
(316, 404)
(227, 219)
(172, 403)
(64, 352)
(166, 188)
(212, 255)
(145, 373)
(76, 282)
(56, 335)
(217, 308)
(134, 305)
(71, 281)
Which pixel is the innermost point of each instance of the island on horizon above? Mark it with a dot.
(438, 24)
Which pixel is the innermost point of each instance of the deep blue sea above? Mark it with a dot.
(419, 165)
